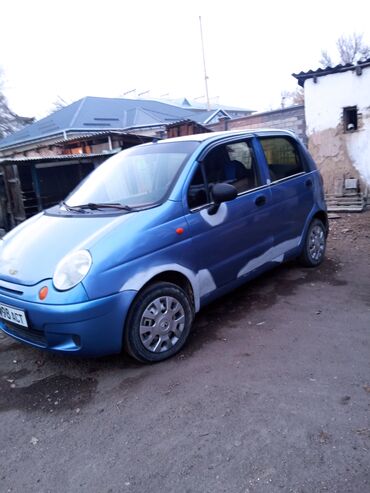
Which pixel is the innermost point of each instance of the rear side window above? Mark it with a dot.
(282, 157)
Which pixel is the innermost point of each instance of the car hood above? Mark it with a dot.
(30, 252)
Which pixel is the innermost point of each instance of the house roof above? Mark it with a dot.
(92, 114)
(207, 116)
(199, 106)
(140, 139)
(320, 72)
(47, 159)
(201, 128)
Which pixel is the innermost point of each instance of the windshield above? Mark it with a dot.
(137, 177)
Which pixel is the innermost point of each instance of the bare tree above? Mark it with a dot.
(9, 121)
(298, 96)
(59, 104)
(292, 98)
(325, 59)
(351, 49)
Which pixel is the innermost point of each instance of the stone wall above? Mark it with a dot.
(291, 118)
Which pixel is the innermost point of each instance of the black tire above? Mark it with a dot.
(169, 318)
(313, 252)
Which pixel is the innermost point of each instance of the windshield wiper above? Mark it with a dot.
(93, 206)
(73, 208)
(105, 205)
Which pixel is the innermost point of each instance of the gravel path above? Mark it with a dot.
(271, 394)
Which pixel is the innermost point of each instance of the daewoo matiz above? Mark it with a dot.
(155, 233)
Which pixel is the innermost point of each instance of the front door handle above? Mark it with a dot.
(308, 183)
(261, 200)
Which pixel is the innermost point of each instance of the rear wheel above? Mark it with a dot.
(158, 323)
(315, 244)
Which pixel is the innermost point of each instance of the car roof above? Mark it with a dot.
(231, 133)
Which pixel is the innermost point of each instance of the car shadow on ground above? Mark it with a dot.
(49, 382)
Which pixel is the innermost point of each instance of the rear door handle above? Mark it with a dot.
(308, 183)
(261, 200)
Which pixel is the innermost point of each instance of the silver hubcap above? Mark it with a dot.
(316, 243)
(161, 324)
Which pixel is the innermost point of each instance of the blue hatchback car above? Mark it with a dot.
(155, 233)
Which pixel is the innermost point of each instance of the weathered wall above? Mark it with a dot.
(329, 150)
(337, 152)
(291, 118)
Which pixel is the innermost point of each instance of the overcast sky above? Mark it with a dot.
(83, 48)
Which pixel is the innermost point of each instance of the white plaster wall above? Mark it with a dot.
(358, 146)
(324, 103)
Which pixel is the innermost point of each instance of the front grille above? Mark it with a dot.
(30, 335)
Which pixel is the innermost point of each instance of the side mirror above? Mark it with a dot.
(221, 192)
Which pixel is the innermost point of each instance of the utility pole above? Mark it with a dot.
(204, 64)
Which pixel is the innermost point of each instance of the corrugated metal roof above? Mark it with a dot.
(199, 106)
(61, 157)
(206, 116)
(103, 133)
(189, 121)
(320, 72)
(101, 114)
(98, 114)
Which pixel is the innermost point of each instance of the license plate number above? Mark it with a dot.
(13, 315)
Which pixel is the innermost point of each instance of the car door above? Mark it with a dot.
(231, 243)
(291, 188)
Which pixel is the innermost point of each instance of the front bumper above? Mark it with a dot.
(88, 328)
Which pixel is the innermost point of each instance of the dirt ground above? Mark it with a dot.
(271, 394)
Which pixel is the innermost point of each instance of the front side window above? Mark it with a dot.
(282, 157)
(137, 177)
(197, 193)
(228, 163)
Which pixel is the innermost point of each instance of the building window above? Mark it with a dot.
(350, 118)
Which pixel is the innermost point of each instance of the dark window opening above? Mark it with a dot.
(350, 118)
(54, 182)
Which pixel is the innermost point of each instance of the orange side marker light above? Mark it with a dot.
(43, 293)
(179, 231)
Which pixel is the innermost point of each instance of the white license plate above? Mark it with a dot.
(13, 315)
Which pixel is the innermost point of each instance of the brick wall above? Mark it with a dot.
(291, 118)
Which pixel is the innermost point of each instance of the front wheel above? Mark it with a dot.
(158, 323)
(314, 245)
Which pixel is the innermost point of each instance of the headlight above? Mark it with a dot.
(72, 269)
